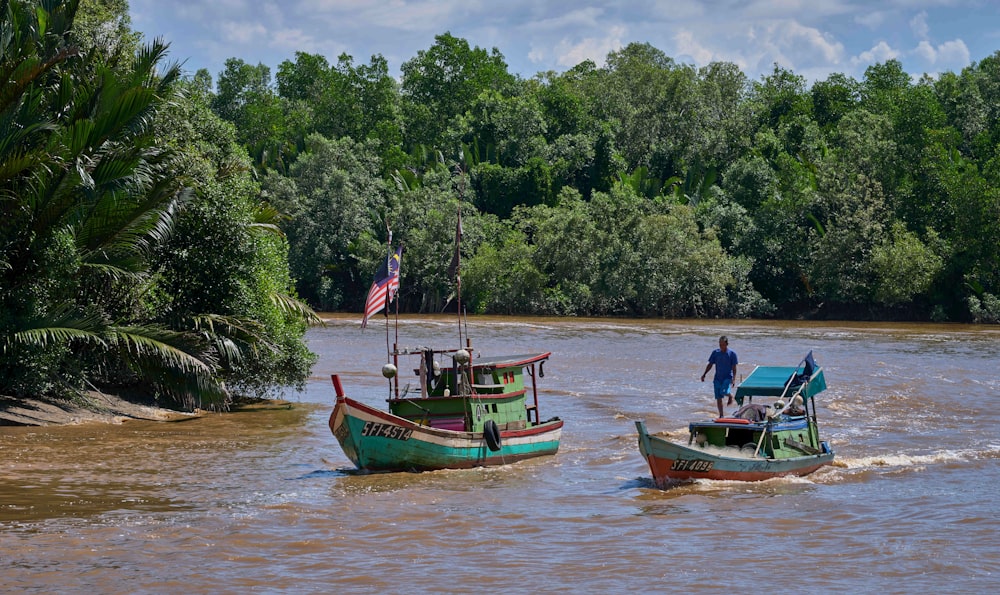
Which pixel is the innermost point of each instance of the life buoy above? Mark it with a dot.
(491, 433)
(731, 420)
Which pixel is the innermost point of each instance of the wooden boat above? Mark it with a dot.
(744, 447)
(472, 413)
(469, 411)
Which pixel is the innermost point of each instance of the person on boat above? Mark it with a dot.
(724, 359)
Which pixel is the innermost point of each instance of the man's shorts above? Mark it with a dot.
(722, 388)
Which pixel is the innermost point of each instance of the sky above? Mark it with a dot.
(812, 38)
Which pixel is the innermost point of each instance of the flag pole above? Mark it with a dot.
(388, 257)
(458, 273)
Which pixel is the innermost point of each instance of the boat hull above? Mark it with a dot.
(376, 440)
(671, 462)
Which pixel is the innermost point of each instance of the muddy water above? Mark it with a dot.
(260, 502)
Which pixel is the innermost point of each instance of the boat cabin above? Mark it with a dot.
(464, 393)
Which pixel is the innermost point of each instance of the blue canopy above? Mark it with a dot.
(783, 381)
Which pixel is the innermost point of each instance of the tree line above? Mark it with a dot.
(643, 187)
(177, 232)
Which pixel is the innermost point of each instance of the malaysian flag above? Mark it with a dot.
(385, 285)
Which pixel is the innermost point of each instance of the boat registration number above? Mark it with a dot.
(691, 465)
(394, 432)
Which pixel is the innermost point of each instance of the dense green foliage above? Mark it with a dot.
(135, 255)
(641, 188)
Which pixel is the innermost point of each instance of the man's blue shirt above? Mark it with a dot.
(724, 363)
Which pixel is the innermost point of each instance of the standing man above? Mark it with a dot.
(725, 361)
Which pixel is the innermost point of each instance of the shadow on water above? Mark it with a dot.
(638, 483)
(321, 473)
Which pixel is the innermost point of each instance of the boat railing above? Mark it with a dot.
(420, 350)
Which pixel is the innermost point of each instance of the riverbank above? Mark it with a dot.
(94, 408)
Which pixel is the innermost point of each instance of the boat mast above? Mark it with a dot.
(390, 353)
(458, 273)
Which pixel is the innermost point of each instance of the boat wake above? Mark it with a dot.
(910, 461)
(789, 484)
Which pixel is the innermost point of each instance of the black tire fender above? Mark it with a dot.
(491, 433)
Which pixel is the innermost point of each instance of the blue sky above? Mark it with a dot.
(813, 38)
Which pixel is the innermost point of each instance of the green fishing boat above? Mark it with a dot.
(466, 413)
(460, 409)
(758, 442)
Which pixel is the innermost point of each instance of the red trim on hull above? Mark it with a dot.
(532, 430)
(660, 476)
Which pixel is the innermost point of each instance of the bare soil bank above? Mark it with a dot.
(97, 408)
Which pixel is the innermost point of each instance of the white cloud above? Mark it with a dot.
(583, 18)
(271, 13)
(242, 32)
(813, 41)
(954, 52)
(926, 52)
(293, 40)
(597, 49)
(794, 46)
(679, 10)
(872, 20)
(383, 18)
(918, 25)
(880, 53)
(686, 44)
(536, 54)
(950, 55)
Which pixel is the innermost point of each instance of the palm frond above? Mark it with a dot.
(232, 334)
(180, 364)
(267, 219)
(46, 336)
(292, 306)
(117, 271)
(62, 326)
(174, 348)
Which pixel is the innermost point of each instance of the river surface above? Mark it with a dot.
(262, 501)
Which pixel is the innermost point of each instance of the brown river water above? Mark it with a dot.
(261, 502)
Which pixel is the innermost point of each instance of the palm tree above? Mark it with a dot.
(84, 197)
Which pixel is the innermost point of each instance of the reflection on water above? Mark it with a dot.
(265, 501)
